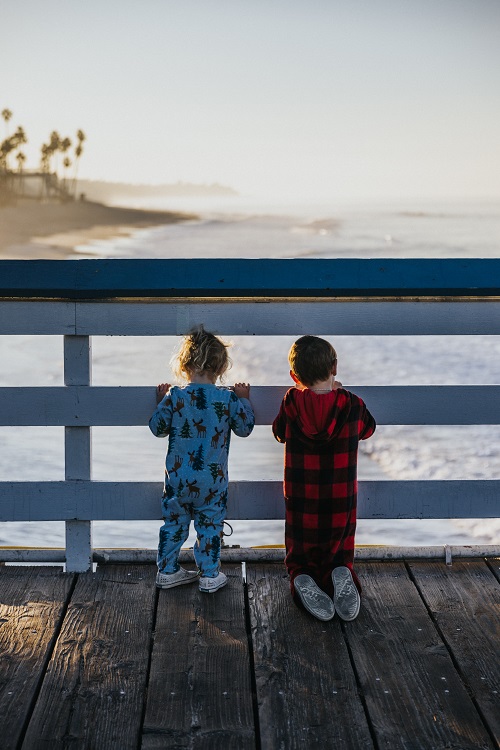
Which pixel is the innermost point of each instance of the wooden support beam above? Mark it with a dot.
(78, 452)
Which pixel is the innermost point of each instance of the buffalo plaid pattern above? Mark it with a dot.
(320, 490)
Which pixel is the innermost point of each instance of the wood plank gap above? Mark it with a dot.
(92, 694)
(48, 657)
(454, 661)
(359, 686)
(251, 657)
(199, 693)
(148, 670)
(304, 678)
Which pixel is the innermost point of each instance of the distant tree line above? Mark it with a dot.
(56, 160)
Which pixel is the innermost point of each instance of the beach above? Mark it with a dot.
(30, 230)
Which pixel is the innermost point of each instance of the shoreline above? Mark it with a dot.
(52, 231)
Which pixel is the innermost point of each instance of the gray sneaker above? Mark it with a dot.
(313, 598)
(346, 595)
(181, 576)
(211, 585)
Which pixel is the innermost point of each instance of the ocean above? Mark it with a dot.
(243, 227)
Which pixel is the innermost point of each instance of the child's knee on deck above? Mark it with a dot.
(321, 424)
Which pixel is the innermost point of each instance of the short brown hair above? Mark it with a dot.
(312, 359)
(201, 351)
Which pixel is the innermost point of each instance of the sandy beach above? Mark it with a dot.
(31, 230)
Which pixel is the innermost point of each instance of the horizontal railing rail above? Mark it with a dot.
(248, 500)
(80, 299)
(256, 318)
(300, 277)
(107, 406)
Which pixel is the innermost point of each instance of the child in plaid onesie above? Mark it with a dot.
(321, 425)
(198, 419)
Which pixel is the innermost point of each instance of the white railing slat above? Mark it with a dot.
(325, 318)
(77, 406)
(248, 500)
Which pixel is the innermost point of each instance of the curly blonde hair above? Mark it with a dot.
(201, 352)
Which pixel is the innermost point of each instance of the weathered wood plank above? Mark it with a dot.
(306, 688)
(199, 693)
(92, 695)
(413, 693)
(248, 499)
(32, 602)
(79, 406)
(494, 565)
(36, 318)
(250, 277)
(465, 601)
(423, 318)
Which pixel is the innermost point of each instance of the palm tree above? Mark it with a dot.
(66, 165)
(54, 146)
(45, 158)
(19, 137)
(45, 168)
(11, 144)
(6, 114)
(80, 135)
(21, 158)
(8, 145)
(64, 145)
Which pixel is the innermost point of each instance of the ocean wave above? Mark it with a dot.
(318, 226)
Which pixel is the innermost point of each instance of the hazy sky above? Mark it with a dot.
(303, 99)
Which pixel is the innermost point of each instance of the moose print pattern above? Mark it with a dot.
(198, 419)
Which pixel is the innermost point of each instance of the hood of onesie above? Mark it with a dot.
(317, 418)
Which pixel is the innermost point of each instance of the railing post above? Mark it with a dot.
(78, 452)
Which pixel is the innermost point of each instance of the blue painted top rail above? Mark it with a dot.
(250, 278)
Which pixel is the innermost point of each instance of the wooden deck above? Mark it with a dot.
(102, 660)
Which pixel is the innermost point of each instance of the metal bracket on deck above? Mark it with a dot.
(447, 555)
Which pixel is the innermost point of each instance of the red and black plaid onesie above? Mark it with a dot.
(321, 433)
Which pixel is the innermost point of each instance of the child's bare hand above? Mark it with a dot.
(336, 384)
(242, 390)
(161, 391)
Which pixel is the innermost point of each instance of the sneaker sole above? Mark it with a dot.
(310, 609)
(340, 576)
(177, 583)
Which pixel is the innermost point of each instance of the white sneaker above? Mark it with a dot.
(346, 595)
(211, 585)
(169, 580)
(313, 598)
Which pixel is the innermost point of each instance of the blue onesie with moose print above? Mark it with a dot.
(198, 420)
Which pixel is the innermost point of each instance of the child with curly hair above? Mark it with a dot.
(198, 419)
